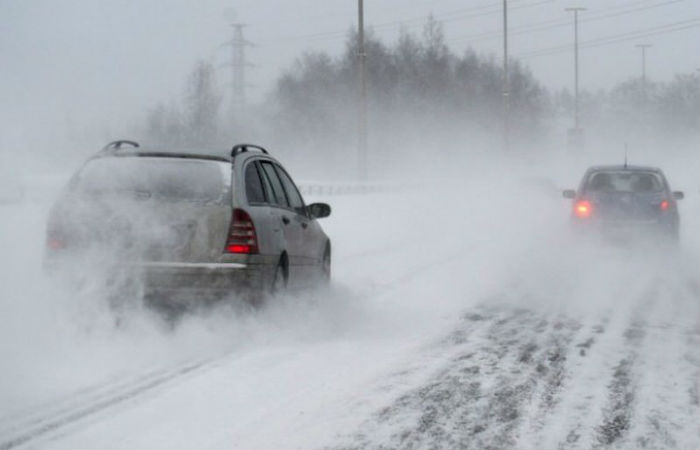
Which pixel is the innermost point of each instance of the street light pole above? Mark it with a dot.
(576, 115)
(506, 80)
(644, 48)
(362, 110)
(577, 134)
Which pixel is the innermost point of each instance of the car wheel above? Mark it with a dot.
(326, 267)
(279, 280)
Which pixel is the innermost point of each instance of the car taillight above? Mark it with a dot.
(663, 205)
(583, 209)
(53, 243)
(55, 240)
(241, 234)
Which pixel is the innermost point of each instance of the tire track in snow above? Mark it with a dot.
(595, 408)
(59, 414)
(549, 392)
(543, 381)
(562, 425)
(479, 399)
(613, 421)
(532, 380)
(667, 374)
(618, 412)
(626, 413)
(25, 428)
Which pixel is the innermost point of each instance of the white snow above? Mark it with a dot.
(308, 370)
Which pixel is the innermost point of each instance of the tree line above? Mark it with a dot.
(415, 85)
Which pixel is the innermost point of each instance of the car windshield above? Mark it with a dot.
(168, 178)
(625, 181)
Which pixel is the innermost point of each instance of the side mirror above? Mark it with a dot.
(319, 210)
(678, 195)
(569, 193)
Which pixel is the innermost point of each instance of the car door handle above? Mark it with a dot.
(304, 224)
(285, 220)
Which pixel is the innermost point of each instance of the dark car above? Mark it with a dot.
(190, 221)
(625, 200)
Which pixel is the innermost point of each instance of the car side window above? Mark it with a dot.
(267, 187)
(295, 200)
(278, 196)
(253, 185)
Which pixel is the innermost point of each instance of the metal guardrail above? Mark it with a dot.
(321, 188)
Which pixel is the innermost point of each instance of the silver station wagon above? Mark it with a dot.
(185, 223)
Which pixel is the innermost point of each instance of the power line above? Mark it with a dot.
(458, 15)
(393, 9)
(489, 9)
(448, 16)
(613, 39)
(558, 23)
(543, 25)
(383, 25)
(495, 7)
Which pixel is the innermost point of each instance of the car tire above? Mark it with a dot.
(326, 267)
(279, 279)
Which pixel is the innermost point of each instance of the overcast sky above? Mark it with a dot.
(69, 63)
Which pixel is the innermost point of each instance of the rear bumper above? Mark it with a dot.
(195, 277)
(168, 278)
(628, 228)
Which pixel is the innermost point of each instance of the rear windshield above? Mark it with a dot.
(166, 178)
(624, 181)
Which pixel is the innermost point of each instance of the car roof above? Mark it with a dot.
(621, 167)
(190, 152)
(195, 153)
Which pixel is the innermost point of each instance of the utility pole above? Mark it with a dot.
(644, 48)
(238, 70)
(698, 72)
(506, 81)
(362, 107)
(576, 134)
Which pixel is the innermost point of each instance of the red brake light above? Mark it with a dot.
(55, 239)
(583, 209)
(664, 205)
(235, 248)
(53, 243)
(241, 234)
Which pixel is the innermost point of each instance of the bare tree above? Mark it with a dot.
(202, 104)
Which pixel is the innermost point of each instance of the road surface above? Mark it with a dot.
(458, 317)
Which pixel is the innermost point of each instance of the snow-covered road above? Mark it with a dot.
(462, 316)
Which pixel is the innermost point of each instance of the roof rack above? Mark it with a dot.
(116, 145)
(242, 148)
